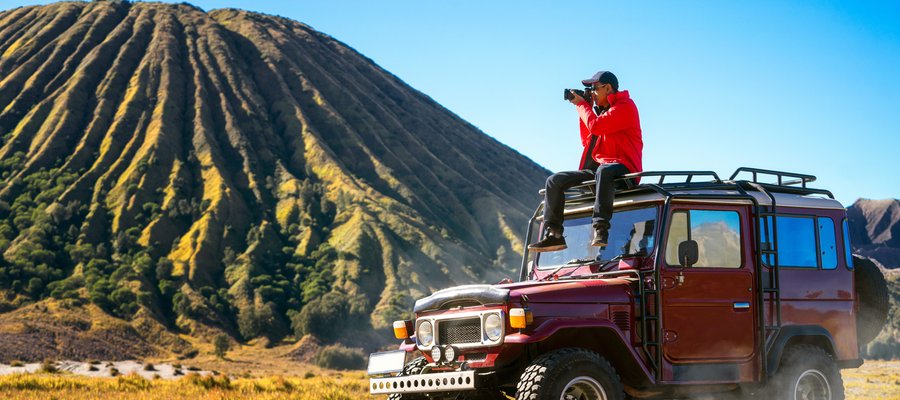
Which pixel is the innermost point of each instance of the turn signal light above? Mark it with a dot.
(519, 318)
(401, 330)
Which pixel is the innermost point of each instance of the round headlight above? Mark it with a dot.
(425, 333)
(493, 327)
(436, 354)
(449, 354)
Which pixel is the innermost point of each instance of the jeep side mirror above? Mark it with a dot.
(688, 253)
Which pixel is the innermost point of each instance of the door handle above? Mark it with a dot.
(741, 305)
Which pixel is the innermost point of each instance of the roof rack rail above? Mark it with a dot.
(689, 175)
(627, 180)
(786, 182)
(797, 179)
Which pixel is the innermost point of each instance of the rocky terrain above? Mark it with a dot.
(875, 230)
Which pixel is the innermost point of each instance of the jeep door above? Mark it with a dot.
(708, 308)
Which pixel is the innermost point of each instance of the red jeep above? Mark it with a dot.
(706, 286)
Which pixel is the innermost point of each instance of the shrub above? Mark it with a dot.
(17, 364)
(132, 381)
(339, 357)
(48, 367)
(221, 344)
(323, 317)
(114, 371)
(149, 367)
(209, 381)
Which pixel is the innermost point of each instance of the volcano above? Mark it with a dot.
(166, 170)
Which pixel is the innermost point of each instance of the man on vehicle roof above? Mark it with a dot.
(612, 147)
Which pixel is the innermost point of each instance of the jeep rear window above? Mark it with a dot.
(631, 232)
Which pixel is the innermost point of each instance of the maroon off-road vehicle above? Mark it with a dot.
(706, 286)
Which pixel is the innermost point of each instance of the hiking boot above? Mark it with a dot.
(553, 241)
(601, 237)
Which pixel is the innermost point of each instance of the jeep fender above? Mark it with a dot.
(791, 334)
(604, 337)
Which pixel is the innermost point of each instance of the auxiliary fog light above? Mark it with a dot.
(493, 327)
(436, 354)
(450, 354)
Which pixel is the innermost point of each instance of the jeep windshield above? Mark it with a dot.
(632, 232)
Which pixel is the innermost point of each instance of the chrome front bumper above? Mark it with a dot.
(424, 383)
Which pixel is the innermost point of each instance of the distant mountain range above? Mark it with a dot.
(875, 230)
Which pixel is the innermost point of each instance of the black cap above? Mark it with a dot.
(603, 77)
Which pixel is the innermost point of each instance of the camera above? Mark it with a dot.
(567, 94)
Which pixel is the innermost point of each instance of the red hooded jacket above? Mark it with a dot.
(618, 132)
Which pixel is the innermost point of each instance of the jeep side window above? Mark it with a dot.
(799, 243)
(827, 244)
(848, 252)
(717, 233)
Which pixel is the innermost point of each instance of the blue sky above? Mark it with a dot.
(805, 86)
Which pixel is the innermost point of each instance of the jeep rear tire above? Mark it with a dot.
(806, 373)
(570, 373)
(874, 302)
(413, 367)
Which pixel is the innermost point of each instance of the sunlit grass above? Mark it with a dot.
(874, 380)
(43, 386)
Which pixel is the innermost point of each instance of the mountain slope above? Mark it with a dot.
(875, 230)
(235, 171)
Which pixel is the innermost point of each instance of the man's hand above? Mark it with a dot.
(576, 99)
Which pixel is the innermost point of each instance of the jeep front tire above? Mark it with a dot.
(414, 367)
(806, 373)
(570, 373)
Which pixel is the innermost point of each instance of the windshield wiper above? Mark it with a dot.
(575, 261)
(605, 263)
(580, 261)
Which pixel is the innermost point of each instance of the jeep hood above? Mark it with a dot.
(570, 291)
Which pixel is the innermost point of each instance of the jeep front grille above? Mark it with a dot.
(457, 331)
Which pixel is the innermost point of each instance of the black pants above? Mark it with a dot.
(554, 199)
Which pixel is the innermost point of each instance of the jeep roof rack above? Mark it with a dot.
(784, 182)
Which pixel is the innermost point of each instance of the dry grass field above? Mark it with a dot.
(875, 380)
(131, 387)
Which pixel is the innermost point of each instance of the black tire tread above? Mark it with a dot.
(800, 355)
(540, 372)
(874, 299)
(413, 367)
